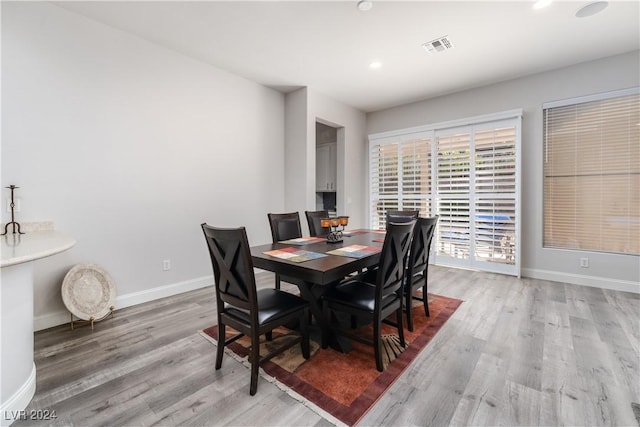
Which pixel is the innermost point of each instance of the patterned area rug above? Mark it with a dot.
(342, 387)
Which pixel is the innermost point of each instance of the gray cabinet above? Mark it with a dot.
(326, 167)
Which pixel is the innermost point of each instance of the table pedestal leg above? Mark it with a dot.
(313, 294)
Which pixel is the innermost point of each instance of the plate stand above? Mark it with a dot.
(91, 319)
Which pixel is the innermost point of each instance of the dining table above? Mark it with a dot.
(317, 269)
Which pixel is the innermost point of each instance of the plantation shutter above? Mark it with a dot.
(383, 174)
(452, 177)
(495, 194)
(400, 174)
(592, 173)
(416, 176)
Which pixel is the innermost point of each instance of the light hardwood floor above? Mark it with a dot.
(517, 352)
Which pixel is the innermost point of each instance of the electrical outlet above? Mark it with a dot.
(584, 262)
(166, 265)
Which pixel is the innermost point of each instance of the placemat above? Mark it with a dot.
(302, 241)
(355, 251)
(294, 254)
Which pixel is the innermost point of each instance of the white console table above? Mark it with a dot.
(17, 369)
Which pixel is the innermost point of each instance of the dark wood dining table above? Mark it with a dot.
(315, 276)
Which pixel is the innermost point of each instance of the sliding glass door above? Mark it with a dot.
(476, 196)
(468, 175)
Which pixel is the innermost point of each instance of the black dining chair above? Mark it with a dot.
(418, 266)
(401, 216)
(241, 306)
(315, 228)
(375, 301)
(284, 226)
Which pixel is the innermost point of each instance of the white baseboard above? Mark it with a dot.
(13, 408)
(50, 320)
(579, 279)
(153, 294)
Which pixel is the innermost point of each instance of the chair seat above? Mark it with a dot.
(272, 304)
(357, 294)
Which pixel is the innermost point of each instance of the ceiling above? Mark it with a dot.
(328, 45)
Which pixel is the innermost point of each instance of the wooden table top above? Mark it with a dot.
(323, 270)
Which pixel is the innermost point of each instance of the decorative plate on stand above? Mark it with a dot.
(88, 292)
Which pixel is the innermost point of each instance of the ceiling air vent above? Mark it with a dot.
(438, 45)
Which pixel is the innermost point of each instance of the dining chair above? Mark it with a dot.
(374, 301)
(418, 266)
(313, 219)
(241, 306)
(401, 216)
(284, 226)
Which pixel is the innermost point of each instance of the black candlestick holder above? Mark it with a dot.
(13, 219)
(335, 236)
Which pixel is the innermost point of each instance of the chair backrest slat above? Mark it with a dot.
(284, 226)
(423, 233)
(401, 216)
(393, 259)
(232, 266)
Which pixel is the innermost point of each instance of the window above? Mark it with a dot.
(400, 172)
(592, 173)
(465, 174)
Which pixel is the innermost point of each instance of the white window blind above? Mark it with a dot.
(592, 173)
(400, 177)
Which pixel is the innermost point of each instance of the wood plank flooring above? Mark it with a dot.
(518, 352)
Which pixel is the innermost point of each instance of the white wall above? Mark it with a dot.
(299, 158)
(128, 147)
(606, 270)
(351, 154)
(303, 108)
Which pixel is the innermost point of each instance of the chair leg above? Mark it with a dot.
(400, 326)
(269, 336)
(221, 339)
(254, 358)
(377, 344)
(409, 308)
(425, 298)
(304, 330)
(277, 281)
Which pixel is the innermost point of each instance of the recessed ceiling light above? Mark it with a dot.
(365, 5)
(592, 9)
(375, 65)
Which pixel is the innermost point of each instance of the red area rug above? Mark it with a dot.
(347, 385)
